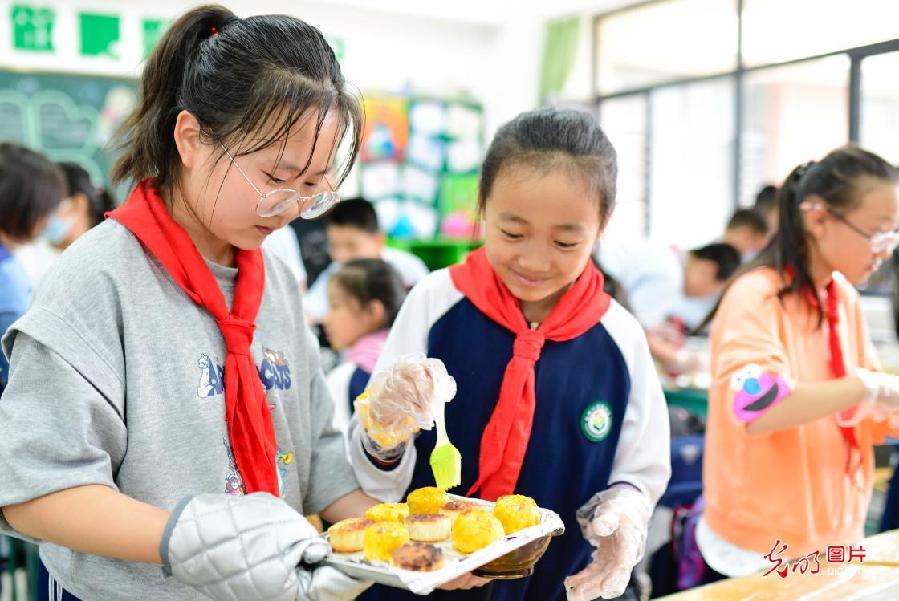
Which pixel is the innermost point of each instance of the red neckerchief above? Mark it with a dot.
(505, 439)
(837, 361)
(249, 420)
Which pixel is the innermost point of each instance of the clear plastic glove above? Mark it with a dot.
(251, 548)
(880, 387)
(614, 521)
(401, 401)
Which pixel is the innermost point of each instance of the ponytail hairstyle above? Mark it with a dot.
(247, 81)
(838, 180)
(78, 181)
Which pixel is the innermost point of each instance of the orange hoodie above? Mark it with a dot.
(792, 484)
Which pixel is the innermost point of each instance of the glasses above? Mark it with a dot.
(880, 242)
(277, 202)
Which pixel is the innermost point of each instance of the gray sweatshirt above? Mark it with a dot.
(116, 379)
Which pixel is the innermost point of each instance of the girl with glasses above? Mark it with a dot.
(796, 403)
(164, 363)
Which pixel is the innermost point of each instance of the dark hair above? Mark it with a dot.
(836, 180)
(549, 138)
(766, 199)
(725, 257)
(31, 187)
(354, 212)
(247, 81)
(368, 280)
(78, 181)
(749, 218)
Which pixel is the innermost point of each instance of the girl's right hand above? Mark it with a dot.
(400, 401)
(250, 548)
(880, 387)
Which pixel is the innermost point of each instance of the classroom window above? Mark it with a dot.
(776, 31)
(665, 41)
(880, 105)
(792, 114)
(624, 122)
(691, 161)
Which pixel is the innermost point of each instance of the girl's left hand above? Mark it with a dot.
(464, 582)
(615, 522)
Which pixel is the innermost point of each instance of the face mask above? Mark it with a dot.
(57, 229)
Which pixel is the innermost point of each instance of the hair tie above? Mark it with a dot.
(213, 30)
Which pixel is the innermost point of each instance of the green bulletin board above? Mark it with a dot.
(67, 117)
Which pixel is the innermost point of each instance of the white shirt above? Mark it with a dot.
(36, 258)
(652, 275)
(283, 243)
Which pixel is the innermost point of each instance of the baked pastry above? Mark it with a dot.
(418, 557)
(388, 512)
(381, 540)
(346, 535)
(429, 528)
(426, 500)
(516, 512)
(455, 507)
(475, 529)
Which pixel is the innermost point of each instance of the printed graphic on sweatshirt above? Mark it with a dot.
(234, 483)
(212, 378)
(274, 372)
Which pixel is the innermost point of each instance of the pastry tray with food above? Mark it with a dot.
(435, 537)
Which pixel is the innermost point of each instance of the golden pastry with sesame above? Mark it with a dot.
(381, 540)
(426, 500)
(418, 557)
(429, 528)
(474, 530)
(346, 536)
(455, 507)
(388, 512)
(516, 512)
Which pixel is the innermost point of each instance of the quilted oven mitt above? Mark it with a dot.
(250, 548)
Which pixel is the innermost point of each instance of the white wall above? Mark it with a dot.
(491, 56)
(487, 49)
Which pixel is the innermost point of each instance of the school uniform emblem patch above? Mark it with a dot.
(596, 421)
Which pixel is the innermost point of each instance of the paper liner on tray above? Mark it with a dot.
(455, 564)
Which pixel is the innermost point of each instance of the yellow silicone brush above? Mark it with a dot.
(446, 461)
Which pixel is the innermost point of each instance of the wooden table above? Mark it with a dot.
(834, 582)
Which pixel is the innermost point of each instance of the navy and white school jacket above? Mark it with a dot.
(600, 418)
(345, 383)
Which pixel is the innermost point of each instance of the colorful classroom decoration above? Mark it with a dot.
(419, 164)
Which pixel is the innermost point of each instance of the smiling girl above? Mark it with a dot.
(557, 395)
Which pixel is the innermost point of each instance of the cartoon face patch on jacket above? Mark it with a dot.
(756, 391)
